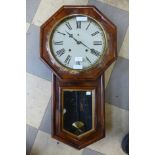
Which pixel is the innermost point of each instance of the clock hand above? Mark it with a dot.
(79, 42)
(84, 45)
(71, 36)
(61, 33)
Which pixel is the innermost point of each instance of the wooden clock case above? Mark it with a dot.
(91, 79)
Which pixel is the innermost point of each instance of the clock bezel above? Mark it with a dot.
(50, 48)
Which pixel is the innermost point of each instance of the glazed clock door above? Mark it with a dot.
(78, 107)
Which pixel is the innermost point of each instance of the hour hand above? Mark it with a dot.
(84, 44)
(70, 35)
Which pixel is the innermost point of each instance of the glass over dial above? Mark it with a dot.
(78, 42)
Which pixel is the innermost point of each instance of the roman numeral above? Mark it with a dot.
(60, 52)
(94, 52)
(88, 60)
(88, 26)
(97, 43)
(68, 25)
(78, 62)
(67, 60)
(78, 24)
(93, 34)
(58, 43)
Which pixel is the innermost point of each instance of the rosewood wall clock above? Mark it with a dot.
(78, 43)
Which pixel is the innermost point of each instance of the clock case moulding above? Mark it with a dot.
(91, 79)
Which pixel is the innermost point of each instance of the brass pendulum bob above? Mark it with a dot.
(78, 125)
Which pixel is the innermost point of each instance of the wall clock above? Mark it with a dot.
(78, 43)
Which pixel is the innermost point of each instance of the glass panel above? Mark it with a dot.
(78, 111)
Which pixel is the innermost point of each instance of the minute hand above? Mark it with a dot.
(84, 45)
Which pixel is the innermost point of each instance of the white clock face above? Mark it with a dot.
(78, 42)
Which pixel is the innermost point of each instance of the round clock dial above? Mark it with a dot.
(78, 42)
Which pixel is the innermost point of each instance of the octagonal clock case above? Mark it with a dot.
(78, 43)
